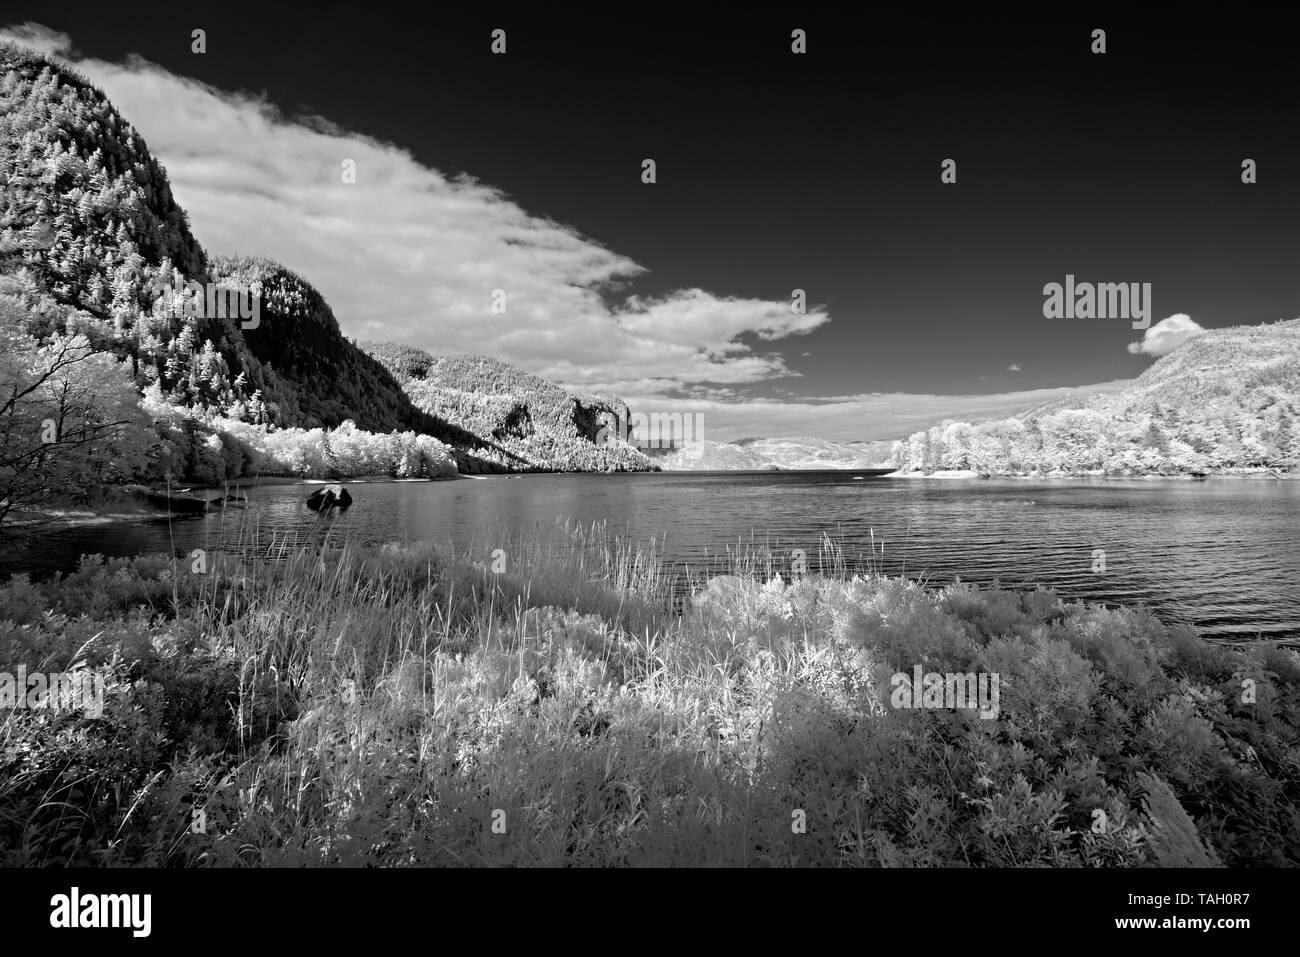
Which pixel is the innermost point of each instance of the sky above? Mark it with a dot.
(775, 172)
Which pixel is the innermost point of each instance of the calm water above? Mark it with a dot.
(1221, 555)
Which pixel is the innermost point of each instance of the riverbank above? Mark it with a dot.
(532, 704)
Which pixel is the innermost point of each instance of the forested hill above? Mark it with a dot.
(1225, 400)
(88, 219)
(532, 423)
(89, 207)
(308, 372)
(89, 214)
(92, 242)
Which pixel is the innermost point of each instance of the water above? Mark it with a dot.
(1221, 555)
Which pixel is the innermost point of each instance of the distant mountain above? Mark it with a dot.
(1224, 400)
(524, 421)
(757, 454)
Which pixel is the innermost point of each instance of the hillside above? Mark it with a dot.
(93, 243)
(89, 208)
(89, 223)
(527, 422)
(308, 372)
(757, 454)
(1225, 400)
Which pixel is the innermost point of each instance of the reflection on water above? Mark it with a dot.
(1221, 554)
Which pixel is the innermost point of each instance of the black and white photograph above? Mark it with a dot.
(646, 437)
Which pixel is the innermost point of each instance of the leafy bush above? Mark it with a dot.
(385, 706)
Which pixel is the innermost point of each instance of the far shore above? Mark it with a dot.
(298, 480)
(1259, 474)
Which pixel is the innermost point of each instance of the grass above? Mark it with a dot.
(405, 705)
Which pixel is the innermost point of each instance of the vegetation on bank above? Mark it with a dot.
(403, 705)
(73, 423)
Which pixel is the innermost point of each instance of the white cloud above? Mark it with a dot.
(1014, 367)
(1166, 335)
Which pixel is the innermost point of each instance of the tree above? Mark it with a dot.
(68, 418)
(1155, 438)
(1283, 439)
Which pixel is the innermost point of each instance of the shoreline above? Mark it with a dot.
(1249, 474)
(70, 517)
(73, 516)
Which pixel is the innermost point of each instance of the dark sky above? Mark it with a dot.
(822, 171)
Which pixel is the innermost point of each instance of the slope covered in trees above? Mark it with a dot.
(88, 221)
(530, 422)
(95, 249)
(308, 372)
(1225, 400)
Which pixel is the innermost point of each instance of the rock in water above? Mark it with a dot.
(328, 497)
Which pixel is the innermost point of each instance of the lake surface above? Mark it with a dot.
(1222, 555)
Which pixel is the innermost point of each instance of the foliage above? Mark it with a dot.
(378, 707)
(217, 449)
(68, 416)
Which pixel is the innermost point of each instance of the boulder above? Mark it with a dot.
(327, 497)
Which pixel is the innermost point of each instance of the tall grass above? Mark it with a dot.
(311, 701)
